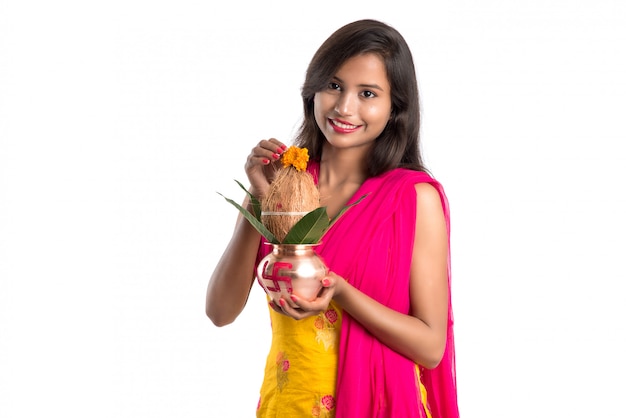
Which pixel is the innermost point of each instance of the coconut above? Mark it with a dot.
(291, 195)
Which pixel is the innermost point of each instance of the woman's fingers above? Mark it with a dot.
(291, 309)
(261, 163)
(266, 152)
(299, 308)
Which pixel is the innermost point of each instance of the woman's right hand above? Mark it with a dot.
(262, 164)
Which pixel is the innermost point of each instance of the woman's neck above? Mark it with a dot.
(342, 167)
(341, 173)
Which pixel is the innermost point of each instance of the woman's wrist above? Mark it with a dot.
(258, 194)
(340, 287)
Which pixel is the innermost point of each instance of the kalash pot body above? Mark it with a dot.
(291, 269)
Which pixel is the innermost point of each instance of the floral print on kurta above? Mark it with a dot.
(324, 408)
(325, 328)
(301, 368)
(282, 367)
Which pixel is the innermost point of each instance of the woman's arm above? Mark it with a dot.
(420, 336)
(230, 283)
(233, 276)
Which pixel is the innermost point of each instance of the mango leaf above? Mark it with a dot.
(253, 221)
(314, 225)
(256, 205)
(309, 229)
(345, 208)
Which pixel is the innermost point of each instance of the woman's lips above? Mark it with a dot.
(342, 127)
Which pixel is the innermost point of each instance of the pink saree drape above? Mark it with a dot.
(371, 246)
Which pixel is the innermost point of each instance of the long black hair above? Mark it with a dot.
(398, 145)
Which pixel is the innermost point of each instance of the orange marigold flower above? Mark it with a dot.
(296, 157)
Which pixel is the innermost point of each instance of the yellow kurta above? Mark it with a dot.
(301, 367)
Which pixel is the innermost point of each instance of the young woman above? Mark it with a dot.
(378, 340)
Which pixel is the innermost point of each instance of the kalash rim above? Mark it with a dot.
(292, 247)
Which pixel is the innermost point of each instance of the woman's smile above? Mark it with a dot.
(343, 127)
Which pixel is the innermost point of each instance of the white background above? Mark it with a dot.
(121, 120)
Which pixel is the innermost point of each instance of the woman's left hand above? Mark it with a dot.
(299, 308)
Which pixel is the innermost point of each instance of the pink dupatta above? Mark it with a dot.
(371, 246)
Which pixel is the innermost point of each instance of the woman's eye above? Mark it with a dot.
(368, 94)
(333, 86)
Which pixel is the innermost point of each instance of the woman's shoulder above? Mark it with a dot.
(408, 176)
(412, 182)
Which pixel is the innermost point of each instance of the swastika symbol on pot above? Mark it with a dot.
(276, 278)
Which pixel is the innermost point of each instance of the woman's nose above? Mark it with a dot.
(345, 105)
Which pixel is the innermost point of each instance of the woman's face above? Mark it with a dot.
(356, 105)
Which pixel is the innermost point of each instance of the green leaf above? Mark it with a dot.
(253, 221)
(312, 227)
(256, 205)
(345, 208)
(309, 229)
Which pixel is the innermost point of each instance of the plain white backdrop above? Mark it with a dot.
(121, 120)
